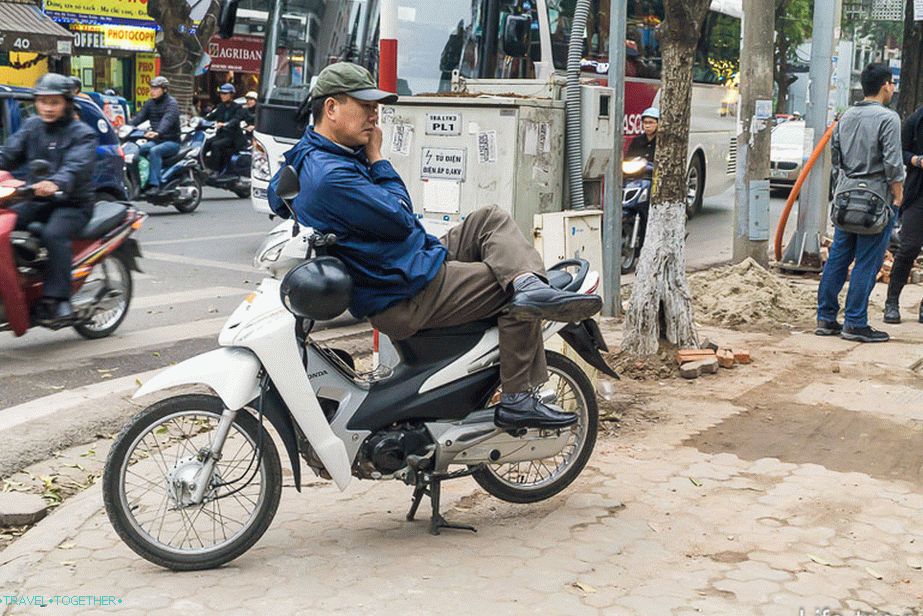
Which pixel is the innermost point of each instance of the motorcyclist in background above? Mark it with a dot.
(645, 144)
(162, 111)
(227, 116)
(69, 147)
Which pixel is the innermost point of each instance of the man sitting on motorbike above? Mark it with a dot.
(162, 111)
(407, 280)
(249, 113)
(645, 144)
(69, 148)
(227, 116)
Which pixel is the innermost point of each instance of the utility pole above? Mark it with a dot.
(751, 211)
(612, 220)
(803, 250)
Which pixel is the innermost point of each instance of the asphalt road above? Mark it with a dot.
(197, 268)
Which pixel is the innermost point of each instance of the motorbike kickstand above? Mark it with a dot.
(438, 522)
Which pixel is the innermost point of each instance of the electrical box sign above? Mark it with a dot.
(443, 164)
(443, 123)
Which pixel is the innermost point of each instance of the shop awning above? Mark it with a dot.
(26, 29)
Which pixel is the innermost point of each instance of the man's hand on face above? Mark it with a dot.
(373, 148)
(45, 188)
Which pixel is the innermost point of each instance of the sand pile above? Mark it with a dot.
(746, 294)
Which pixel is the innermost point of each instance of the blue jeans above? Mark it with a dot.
(868, 251)
(155, 153)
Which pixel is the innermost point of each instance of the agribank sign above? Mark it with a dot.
(242, 54)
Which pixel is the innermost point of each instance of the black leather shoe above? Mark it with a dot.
(529, 412)
(892, 311)
(534, 301)
(863, 334)
(827, 328)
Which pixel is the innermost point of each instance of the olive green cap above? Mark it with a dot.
(351, 79)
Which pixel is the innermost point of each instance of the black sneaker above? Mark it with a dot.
(892, 312)
(863, 334)
(827, 328)
(526, 411)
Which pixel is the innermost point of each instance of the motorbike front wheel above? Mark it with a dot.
(537, 480)
(146, 491)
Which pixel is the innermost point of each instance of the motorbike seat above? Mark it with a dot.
(169, 162)
(559, 279)
(106, 216)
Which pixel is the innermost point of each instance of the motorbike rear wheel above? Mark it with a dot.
(157, 451)
(522, 482)
(629, 253)
(190, 203)
(113, 276)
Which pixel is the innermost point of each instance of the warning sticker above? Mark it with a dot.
(487, 146)
(443, 164)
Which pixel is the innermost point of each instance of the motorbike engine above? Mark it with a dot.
(388, 450)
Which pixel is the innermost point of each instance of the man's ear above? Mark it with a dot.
(330, 107)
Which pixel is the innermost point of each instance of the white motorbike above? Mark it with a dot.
(193, 481)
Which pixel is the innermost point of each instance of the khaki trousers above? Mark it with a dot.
(485, 253)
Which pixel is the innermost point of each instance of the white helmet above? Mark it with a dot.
(651, 112)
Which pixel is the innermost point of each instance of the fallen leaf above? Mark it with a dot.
(819, 560)
(695, 482)
(137, 381)
(652, 527)
(67, 546)
(156, 354)
(68, 563)
(74, 465)
(914, 563)
(874, 573)
(584, 587)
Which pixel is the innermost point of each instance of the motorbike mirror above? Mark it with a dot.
(227, 18)
(288, 185)
(40, 168)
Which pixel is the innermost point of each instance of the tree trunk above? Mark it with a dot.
(911, 94)
(179, 50)
(661, 303)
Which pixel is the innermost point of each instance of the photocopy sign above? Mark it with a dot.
(443, 123)
(443, 164)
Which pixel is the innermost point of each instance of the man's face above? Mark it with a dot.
(50, 108)
(649, 126)
(351, 121)
(226, 97)
(156, 91)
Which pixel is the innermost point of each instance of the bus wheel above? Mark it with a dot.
(695, 186)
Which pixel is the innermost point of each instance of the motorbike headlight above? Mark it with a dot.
(259, 165)
(634, 165)
(270, 249)
(643, 196)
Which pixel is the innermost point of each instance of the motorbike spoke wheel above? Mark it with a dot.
(112, 277)
(146, 484)
(535, 480)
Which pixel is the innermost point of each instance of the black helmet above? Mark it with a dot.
(53, 84)
(319, 289)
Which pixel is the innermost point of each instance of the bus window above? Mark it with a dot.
(717, 56)
(434, 39)
(596, 43)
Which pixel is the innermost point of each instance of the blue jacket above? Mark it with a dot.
(385, 247)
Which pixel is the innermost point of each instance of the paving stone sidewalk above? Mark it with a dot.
(787, 485)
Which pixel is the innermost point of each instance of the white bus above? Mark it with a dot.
(437, 37)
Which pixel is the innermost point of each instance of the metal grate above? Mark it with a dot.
(732, 157)
(887, 10)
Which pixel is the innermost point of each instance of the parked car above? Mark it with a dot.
(16, 106)
(787, 154)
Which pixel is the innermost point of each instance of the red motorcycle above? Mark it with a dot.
(104, 256)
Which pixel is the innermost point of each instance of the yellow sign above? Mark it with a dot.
(145, 70)
(90, 36)
(104, 10)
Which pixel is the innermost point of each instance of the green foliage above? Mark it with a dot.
(793, 27)
(881, 32)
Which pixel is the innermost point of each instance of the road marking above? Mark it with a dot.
(230, 236)
(56, 353)
(193, 295)
(163, 256)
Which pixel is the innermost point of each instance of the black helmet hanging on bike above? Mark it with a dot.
(319, 289)
(53, 84)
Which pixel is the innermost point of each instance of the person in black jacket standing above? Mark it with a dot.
(69, 147)
(227, 116)
(911, 233)
(162, 111)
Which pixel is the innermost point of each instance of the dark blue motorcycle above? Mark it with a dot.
(181, 185)
(235, 176)
(636, 200)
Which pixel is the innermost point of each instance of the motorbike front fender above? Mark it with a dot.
(231, 372)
